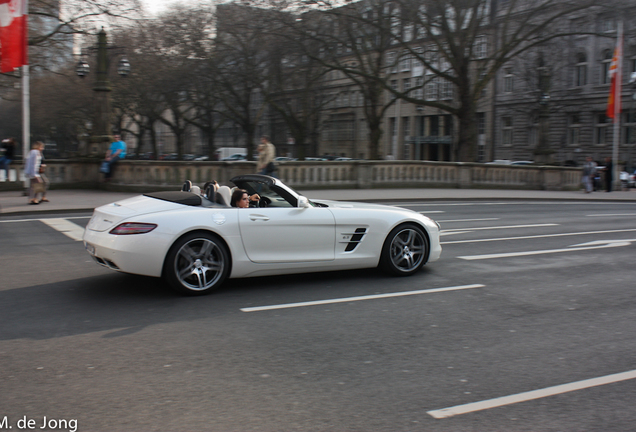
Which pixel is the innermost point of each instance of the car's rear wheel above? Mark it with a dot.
(197, 264)
(405, 250)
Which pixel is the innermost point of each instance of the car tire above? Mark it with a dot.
(197, 264)
(405, 250)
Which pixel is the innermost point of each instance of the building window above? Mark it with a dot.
(481, 137)
(481, 47)
(405, 62)
(506, 131)
(508, 81)
(629, 127)
(390, 61)
(406, 127)
(605, 67)
(600, 133)
(608, 25)
(340, 127)
(448, 125)
(447, 90)
(434, 125)
(580, 70)
(419, 91)
(481, 123)
(394, 87)
(406, 85)
(431, 89)
(574, 129)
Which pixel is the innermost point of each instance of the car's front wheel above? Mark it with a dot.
(197, 264)
(405, 250)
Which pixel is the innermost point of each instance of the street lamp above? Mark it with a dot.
(101, 136)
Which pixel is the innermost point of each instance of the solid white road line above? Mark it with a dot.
(66, 227)
(616, 214)
(42, 219)
(535, 394)
(537, 236)
(600, 244)
(502, 227)
(352, 299)
(467, 220)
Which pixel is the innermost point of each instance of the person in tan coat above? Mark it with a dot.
(266, 155)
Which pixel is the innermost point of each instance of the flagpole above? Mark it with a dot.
(26, 118)
(617, 108)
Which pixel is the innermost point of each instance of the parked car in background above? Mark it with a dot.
(628, 180)
(284, 159)
(236, 157)
(225, 152)
(522, 163)
(500, 162)
(202, 158)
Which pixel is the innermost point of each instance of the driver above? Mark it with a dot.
(241, 199)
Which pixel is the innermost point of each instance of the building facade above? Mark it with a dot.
(551, 105)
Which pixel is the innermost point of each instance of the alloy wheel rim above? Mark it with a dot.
(199, 264)
(407, 249)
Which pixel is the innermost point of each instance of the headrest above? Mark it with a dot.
(210, 192)
(223, 195)
(187, 185)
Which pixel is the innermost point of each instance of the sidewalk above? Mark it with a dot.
(86, 200)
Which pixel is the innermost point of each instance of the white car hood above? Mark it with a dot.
(357, 205)
(109, 215)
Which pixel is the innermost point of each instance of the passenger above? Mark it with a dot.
(241, 199)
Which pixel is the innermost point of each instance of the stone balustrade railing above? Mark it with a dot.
(145, 175)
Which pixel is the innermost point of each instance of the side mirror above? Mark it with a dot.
(303, 202)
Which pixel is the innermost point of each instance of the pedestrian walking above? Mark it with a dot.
(609, 174)
(7, 152)
(32, 168)
(589, 171)
(266, 155)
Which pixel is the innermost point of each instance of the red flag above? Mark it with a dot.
(13, 34)
(614, 98)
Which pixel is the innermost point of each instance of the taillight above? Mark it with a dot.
(133, 228)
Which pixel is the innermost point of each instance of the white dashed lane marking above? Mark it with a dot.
(66, 227)
(367, 297)
(531, 395)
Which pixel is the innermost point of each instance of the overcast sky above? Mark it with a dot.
(158, 6)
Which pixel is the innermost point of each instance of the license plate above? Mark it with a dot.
(90, 248)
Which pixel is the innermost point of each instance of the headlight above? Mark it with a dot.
(133, 228)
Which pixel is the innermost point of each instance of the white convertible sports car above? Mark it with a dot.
(195, 239)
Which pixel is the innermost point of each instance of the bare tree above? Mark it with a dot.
(296, 92)
(355, 41)
(460, 42)
(242, 65)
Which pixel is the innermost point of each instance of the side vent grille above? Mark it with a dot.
(355, 239)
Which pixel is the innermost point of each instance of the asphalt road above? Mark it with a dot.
(526, 323)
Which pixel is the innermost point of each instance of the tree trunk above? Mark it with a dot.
(467, 131)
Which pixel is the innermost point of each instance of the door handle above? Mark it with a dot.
(256, 217)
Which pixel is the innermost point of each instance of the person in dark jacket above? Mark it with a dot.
(609, 174)
(7, 155)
